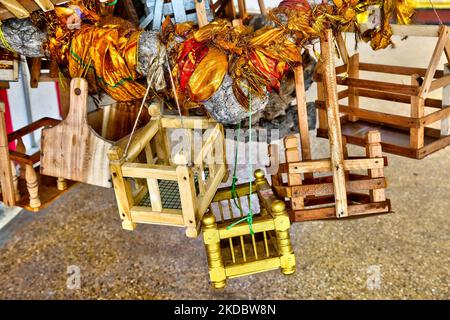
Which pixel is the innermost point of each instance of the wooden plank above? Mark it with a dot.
(174, 122)
(447, 51)
(353, 72)
(29, 5)
(170, 217)
(322, 114)
(149, 171)
(44, 122)
(15, 8)
(435, 116)
(302, 113)
(188, 199)
(200, 8)
(158, 15)
(439, 83)
(373, 150)
(250, 267)
(179, 11)
(72, 149)
(45, 5)
(262, 7)
(435, 58)
(417, 138)
(342, 50)
(446, 101)
(6, 177)
(325, 165)
(294, 179)
(381, 117)
(378, 85)
(353, 211)
(334, 132)
(321, 189)
(433, 147)
(401, 70)
(388, 96)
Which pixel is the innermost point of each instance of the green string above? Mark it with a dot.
(234, 195)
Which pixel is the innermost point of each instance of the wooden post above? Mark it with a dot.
(6, 178)
(322, 114)
(373, 150)
(201, 13)
(446, 101)
(242, 9)
(342, 47)
(294, 179)
(353, 72)
(302, 113)
(32, 186)
(122, 188)
(211, 239)
(282, 225)
(334, 130)
(262, 7)
(188, 200)
(417, 111)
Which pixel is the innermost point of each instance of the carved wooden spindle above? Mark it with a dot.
(211, 239)
(32, 186)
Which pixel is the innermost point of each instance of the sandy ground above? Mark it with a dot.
(335, 259)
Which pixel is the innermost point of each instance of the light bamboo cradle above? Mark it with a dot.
(234, 252)
(151, 188)
(408, 136)
(337, 195)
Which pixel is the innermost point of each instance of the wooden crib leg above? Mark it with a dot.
(446, 102)
(374, 151)
(212, 243)
(417, 111)
(32, 186)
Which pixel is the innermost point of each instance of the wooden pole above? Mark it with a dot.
(334, 130)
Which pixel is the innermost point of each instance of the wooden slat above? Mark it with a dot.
(294, 179)
(373, 150)
(15, 8)
(439, 83)
(353, 72)
(353, 211)
(334, 132)
(388, 96)
(325, 165)
(179, 11)
(446, 101)
(148, 171)
(381, 117)
(158, 15)
(417, 138)
(378, 85)
(302, 113)
(172, 217)
(202, 19)
(29, 5)
(45, 5)
(321, 189)
(406, 71)
(435, 58)
(188, 199)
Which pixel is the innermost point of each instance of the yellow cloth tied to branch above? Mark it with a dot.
(208, 75)
(107, 55)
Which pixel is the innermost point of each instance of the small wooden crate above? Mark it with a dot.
(234, 252)
(151, 188)
(313, 198)
(408, 136)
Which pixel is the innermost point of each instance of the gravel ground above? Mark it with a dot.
(335, 259)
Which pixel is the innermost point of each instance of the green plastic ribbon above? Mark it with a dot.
(234, 195)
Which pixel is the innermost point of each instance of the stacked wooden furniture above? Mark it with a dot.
(337, 195)
(21, 183)
(235, 252)
(409, 136)
(153, 187)
(9, 67)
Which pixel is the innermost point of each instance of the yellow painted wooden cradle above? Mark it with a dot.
(233, 251)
